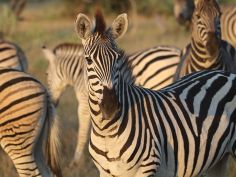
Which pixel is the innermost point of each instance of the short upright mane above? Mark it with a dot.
(100, 23)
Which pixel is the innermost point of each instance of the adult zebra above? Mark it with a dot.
(207, 50)
(66, 67)
(12, 56)
(183, 10)
(28, 126)
(182, 130)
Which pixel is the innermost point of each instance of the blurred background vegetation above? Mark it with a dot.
(51, 22)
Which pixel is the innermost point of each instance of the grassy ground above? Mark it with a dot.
(45, 24)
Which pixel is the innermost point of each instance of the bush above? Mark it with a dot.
(147, 7)
(7, 21)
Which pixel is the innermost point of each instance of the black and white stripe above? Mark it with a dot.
(27, 124)
(207, 50)
(12, 56)
(183, 10)
(66, 67)
(182, 130)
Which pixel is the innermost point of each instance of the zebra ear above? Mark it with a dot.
(83, 26)
(119, 25)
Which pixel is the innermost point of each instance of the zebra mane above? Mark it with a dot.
(207, 4)
(125, 67)
(100, 25)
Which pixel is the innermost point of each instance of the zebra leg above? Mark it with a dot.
(83, 131)
(220, 169)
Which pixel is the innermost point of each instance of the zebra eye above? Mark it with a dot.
(89, 61)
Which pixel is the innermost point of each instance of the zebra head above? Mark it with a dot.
(206, 28)
(183, 10)
(101, 52)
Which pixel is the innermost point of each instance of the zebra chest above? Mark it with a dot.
(112, 162)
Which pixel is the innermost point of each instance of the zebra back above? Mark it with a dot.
(12, 56)
(154, 68)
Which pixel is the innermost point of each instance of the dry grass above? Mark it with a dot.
(45, 24)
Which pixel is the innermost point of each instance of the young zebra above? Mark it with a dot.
(207, 50)
(183, 130)
(12, 56)
(28, 124)
(66, 67)
(183, 10)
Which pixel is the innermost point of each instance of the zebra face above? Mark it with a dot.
(206, 22)
(100, 49)
(183, 10)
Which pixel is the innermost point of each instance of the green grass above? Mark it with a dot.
(45, 24)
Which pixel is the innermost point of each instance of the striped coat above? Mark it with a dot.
(12, 56)
(182, 130)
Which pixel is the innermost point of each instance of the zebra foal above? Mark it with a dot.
(28, 124)
(12, 56)
(207, 50)
(182, 130)
(66, 67)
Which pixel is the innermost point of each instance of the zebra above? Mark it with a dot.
(66, 67)
(12, 56)
(207, 50)
(184, 129)
(183, 10)
(28, 126)
(228, 21)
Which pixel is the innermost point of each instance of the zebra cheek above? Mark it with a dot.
(109, 105)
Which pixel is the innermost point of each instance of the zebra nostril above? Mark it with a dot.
(182, 18)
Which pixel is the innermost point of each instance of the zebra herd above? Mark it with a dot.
(169, 112)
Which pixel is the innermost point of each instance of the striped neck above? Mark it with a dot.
(70, 66)
(201, 58)
(105, 103)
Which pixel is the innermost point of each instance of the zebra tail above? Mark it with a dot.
(53, 145)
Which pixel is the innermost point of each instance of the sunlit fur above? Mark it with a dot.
(12, 56)
(151, 68)
(28, 127)
(207, 50)
(182, 130)
(228, 23)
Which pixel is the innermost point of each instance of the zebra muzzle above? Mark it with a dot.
(110, 104)
(212, 44)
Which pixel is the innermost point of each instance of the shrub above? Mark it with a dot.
(7, 21)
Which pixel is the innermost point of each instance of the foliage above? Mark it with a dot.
(147, 7)
(7, 21)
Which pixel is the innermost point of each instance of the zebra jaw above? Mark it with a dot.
(109, 104)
